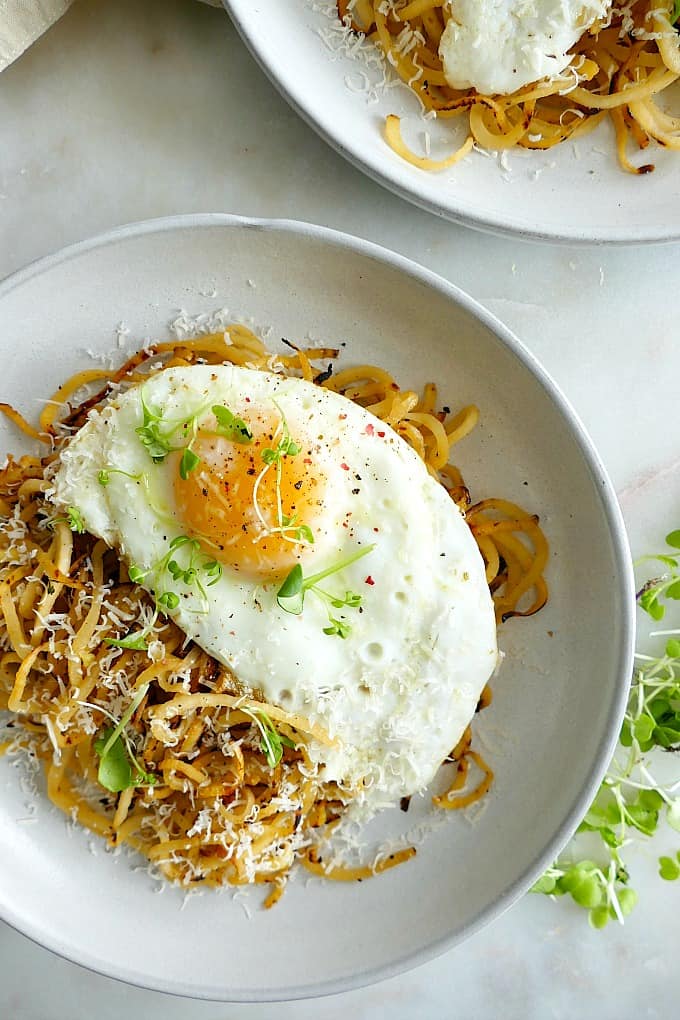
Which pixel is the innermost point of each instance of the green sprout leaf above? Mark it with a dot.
(169, 600)
(286, 447)
(669, 869)
(545, 884)
(337, 628)
(155, 442)
(118, 766)
(189, 572)
(291, 594)
(133, 642)
(673, 814)
(188, 463)
(104, 476)
(213, 570)
(231, 426)
(643, 729)
(296, 532)
(156, 433)
(74, 520)
(115, 771)
(599, 917)
(649, 601)
(271, 741)
(627, 900)
(673, 538)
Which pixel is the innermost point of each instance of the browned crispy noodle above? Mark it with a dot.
(218, 813)
(619, 68)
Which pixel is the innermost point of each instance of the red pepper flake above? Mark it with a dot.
(376, 530)
(345, 467)
(369, 580)
(247, 400)
(369, 430)
(341, 417)
(308, 460)
(382, 435)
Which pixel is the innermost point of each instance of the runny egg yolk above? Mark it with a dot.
(239, 506)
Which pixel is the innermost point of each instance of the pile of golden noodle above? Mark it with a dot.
(218, 813)
(618, 68)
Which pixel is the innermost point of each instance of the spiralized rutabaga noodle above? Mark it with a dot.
(203, 801)
(619, 69)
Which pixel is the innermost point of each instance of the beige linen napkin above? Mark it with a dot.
(24, 21)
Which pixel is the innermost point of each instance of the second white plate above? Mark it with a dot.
(575, 192)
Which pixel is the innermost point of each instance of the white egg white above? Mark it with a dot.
(498, 46)
(399, 690)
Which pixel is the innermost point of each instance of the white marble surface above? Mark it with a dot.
(131, 110)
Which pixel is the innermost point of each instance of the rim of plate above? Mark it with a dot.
(621, 553)
(497, 225)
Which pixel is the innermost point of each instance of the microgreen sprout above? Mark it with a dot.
(104, 476)
(188, 463)
(286, 448)
(271, 741)
(198, 570)
(119, 767)
(291, 594)
(656, 589)
(135, 642)
(337, 628)
(669, 868)
(286, 526)
(675, 13)
(152, 435)
(73, 518)
(156, 433)
(631, 803)
(169, 600)
(298, 532)
(231, 426)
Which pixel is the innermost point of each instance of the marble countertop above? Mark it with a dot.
(126, 111)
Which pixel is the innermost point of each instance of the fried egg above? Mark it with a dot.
(389, 653)
(498, 46)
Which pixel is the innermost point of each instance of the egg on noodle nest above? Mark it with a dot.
(316, 627)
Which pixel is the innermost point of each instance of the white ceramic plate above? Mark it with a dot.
(558, 699)
(575, 192)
